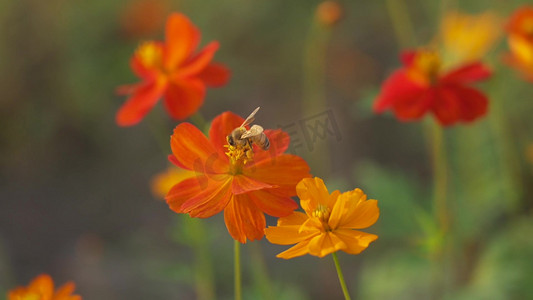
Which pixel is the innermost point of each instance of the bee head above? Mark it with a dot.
(230, 140)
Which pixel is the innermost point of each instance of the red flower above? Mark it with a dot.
(244, 188)
(520, 40)
(422, 87)
(171, 70)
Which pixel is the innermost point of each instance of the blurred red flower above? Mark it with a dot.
(42, 288)
(421, 87)
(171, 70)
(520, 41)
(244, 188)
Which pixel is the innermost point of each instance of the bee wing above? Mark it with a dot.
(250, 118)
(255, 130)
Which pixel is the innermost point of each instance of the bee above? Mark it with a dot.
(242, 138)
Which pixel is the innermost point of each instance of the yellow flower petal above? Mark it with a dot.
(298, 250)
(286, 235)
(312, 192)
(365, 215)
(468, 38)
(325, 244)
(164, 181)
(355, 241)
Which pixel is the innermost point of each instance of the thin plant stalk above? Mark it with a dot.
(237, 270)
(341, 276)
(314, 89)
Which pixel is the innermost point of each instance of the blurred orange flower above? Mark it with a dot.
(143, 17)
(328, 223)
(164, 181)
(467, 38)
(171, 70)
(422, 87)
(244, 188)
(42, 288)
(520, 41)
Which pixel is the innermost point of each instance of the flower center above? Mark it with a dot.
(426, 66)
(527, 27)
(322, 213)
(151, 55)
(240, 152)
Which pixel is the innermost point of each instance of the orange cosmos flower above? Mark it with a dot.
(227, 179)
(422, 87)
(328, 223)
(520, 41)
(42, 288)
(171, 70)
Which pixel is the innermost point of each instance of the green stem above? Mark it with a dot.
(237, 270)
(440, 177)
(260, 272)
(401, 23)
(199, 120)
(314, 90)
(341, 277)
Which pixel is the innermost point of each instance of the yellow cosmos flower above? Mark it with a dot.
(328, 224)
(468, 38)
(164, 181)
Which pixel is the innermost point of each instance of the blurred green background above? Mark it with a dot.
(75, 199)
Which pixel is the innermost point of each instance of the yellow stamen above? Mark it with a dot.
(426, 66)
(150, 54)
(322, 213)
(239, 155)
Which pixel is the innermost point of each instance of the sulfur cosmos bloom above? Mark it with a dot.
(171, 70)
(42, 288)
(162, 183)
(520, 41)
(329, 224)
(229, 179)
(467, 38)
(422, 87)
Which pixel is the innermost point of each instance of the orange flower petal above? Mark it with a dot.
(183, 191)
(362, 216)
(199, 62)
(243, 219)
(284, 171)
(287, 235)
(468, 73)
(243, 184)
(279, 142)
(211, 200)
(345, 207)
(193, 151)
(274, 205)
(221, 127)
(184, 98)
(181, 38)
(296, 218)
(312, 224)
(312, 192)
(215, 75)
(300, 249)
(44, 285)
(325, 244)
(65, 292)
(355, 241)
(140, 103)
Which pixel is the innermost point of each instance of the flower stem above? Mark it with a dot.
(199, 120)
(237, 270)
(401, 23)
(440, 177)
(341, 277)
